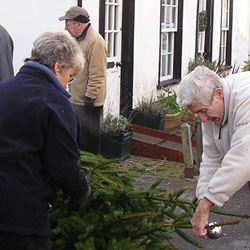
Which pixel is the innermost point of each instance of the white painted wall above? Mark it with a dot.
(25, 20)
(189, 33)
(92, 6)
(216, 30)
(146, 48)
(240, 39)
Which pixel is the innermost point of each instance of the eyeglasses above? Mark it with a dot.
(71, 80)
(67, 25)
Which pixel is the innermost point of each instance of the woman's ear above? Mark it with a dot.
(56, 69)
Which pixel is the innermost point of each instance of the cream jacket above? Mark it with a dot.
(225, 166)
(91, 81)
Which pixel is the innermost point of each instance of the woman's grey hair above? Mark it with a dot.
(52, 47)
(198, 85)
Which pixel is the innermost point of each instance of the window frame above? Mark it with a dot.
(168, 28)
(201, 35)
(176, 49)
(226, 33)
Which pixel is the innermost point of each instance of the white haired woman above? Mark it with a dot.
(38, 149)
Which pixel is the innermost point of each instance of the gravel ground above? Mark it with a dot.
(235, 237)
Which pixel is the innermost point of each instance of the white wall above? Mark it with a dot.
(189, 33)
(92, 6)
(216, 30)
(240, 39)
(146, 48)
(25, 20)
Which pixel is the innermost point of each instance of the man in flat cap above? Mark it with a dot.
(89, 88)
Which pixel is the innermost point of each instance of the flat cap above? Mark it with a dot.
(75, 12)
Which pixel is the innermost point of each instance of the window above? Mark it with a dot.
(225, 25)
(111, 26)
(169, 17)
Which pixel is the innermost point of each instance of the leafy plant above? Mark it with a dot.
(150, 106)
(114, 125)
(246, 66)
(168, 100)
(217, 66)
(203, 20)
(200, 60)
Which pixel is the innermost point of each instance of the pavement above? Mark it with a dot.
(234, 237)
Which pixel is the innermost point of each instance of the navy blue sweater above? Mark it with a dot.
(38, 150)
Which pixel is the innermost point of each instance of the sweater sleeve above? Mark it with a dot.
(61, 153)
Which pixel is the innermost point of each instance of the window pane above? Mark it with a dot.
(106, 15)
(168, 15)
(163, 66)
(164, 43)
(163, 17)
(169, 2)
(170, 42)
(109, 44)
(169, 64)
(115, 44)
(110, 17)
(173, 17)
(116, 18)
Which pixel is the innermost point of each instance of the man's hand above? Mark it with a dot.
(200, 218)
(88, 102)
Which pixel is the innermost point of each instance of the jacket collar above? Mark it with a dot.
(50, 75)
(82, 36)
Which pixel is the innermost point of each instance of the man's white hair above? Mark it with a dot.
(198, 85)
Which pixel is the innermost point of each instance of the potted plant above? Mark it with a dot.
(116, 137)
(149, 113)
(246, 66)
(200, 60)
(203, 20)
(174, 112)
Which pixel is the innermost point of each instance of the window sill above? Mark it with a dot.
(167, 83)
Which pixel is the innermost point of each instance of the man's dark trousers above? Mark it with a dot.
(88, 120)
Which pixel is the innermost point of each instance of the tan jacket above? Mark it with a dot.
(91, 81)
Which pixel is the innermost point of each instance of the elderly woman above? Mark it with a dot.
(38, 149)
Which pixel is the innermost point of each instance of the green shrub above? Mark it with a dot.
(246, 66)
(200, 60)
(203, 20)
(150, 106)
(168, 100)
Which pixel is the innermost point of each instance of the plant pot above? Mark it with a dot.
(116, 146)
(172, 121)
(154, 122)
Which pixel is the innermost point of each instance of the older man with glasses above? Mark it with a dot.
(223, 105)
(89, 88)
